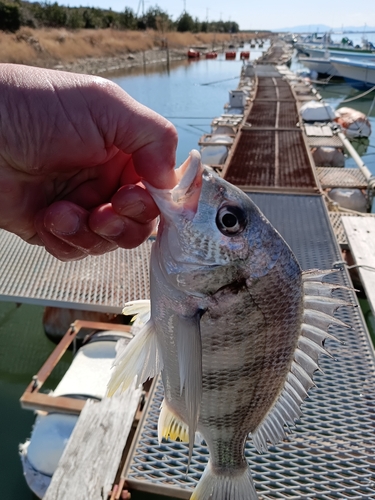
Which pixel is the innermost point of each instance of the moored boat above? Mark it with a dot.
(322, 65)
(193, 54)
(359, 74)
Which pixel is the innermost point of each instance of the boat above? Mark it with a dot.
(193, 54)
(357, 54)
(322, 65)
(211, 55)
(359, 74)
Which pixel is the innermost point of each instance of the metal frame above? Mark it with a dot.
(33, 399)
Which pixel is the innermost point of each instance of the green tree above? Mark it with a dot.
(51, 14)
(185, 23)
(127, 19)
(75, 19)
(10, 17)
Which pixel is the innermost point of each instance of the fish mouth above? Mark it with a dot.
(183, 199)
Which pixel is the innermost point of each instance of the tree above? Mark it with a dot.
(52, 15)
(10, 17)
(127, 19)
(185, 23)
(75, 19)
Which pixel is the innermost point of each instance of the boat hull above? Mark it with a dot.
(359, 74)
(321, 65)
(350, 54)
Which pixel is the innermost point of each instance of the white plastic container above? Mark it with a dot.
(352, 199)
(317, 111)
(237, 98)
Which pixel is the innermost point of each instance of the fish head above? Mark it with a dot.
(211, 234)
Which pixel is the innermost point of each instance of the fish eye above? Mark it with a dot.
(230, 220)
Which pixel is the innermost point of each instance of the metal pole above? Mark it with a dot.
(353, 153)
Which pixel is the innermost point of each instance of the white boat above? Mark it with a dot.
(322, 65)
(355, 54)
(359, 74)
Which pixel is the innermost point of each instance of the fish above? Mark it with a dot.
(234, 327)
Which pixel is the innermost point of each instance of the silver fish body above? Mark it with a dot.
(229, 326)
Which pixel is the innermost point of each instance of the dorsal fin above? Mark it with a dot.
(318, 316)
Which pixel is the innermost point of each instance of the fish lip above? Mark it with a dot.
(183, 199)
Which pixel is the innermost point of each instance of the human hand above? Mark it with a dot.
(73, 151)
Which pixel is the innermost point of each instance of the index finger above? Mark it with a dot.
(140, 131)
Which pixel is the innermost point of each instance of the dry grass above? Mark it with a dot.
(47, 47)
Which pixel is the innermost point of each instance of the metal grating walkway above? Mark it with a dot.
(103, 283)
(331, 177)
(266, 114)
(269, 159)
(270, 152)
(330, 454)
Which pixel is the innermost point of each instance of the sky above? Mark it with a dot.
(260, 14)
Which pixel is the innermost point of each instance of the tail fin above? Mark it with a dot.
(231, 485)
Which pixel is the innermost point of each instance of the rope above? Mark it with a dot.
(360, 95)
(219, 81)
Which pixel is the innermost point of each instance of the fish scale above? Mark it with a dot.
(236, 327)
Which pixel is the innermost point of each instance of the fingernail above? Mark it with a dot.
(65, 222)
(133, 209)
(112, 229)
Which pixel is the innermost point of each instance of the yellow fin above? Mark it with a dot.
(170, 426)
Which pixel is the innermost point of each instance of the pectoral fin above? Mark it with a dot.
(142, 358)
(189, 349)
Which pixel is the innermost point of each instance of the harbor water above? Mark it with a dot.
(190, 94)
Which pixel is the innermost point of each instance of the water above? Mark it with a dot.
(180, 96)
(190, 95)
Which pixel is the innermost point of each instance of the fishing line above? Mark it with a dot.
(219, 81)
(186, 129)
(198, 127)
(188, 117)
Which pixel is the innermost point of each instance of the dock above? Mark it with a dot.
(330, 453)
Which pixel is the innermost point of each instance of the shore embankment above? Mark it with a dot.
(100, 51)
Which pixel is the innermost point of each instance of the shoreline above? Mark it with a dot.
(108, 64)
(105, 50)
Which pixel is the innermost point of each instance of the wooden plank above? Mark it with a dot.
(360, 232)
(88, 466)
(44, 402)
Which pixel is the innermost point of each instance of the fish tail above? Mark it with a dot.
(225, 484)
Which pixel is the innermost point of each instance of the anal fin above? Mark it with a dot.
(170, 426)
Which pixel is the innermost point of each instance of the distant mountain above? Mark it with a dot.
(323, 28)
